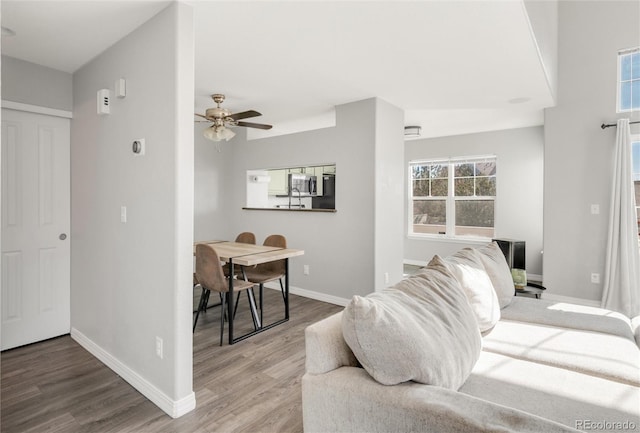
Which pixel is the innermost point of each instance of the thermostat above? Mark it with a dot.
(138, 146)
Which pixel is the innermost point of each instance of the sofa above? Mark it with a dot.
(451, 349)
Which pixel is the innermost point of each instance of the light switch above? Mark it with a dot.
(123, 214)
(595, 209)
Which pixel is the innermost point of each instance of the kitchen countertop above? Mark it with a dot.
(286, 209)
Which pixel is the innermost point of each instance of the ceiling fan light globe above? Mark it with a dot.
(211, 134)
(227, 134)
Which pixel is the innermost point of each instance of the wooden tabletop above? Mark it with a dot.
(248, 254)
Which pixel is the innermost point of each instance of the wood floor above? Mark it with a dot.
(251, 386)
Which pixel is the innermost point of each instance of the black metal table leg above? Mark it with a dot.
(286, 289)
(230, 303)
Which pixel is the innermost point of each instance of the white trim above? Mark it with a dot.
(449, 239)
(570, 300)
(415, 262)
(173, 408)
(19, 106)
(312, 295)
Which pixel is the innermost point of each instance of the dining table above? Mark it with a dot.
(246, 255)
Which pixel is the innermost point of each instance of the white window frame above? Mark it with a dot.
(450, 198)
(621, 54)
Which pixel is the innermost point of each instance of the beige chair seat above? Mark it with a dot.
(270, 271)
(262, 276)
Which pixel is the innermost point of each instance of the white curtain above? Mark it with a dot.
(622, 272)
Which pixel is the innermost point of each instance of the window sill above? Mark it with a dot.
(450, 240)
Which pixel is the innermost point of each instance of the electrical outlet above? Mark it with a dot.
(305, 269)
(159, 348)
(595, 278)
(386, 277)
(123, 214)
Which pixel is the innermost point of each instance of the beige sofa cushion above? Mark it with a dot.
(566, 315)
(423, 330)
(498, 270)
(594, 353)
(468, 269)
(565, 396)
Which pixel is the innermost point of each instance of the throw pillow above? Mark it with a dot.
(496, 266)
(422, 330)
(468, 269)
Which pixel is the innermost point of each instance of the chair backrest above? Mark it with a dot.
(208, 269)
(246, 238)
(276, 241)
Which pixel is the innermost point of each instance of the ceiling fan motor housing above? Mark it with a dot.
(217, 112)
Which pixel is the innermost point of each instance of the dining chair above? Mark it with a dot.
(271, 271)
(243, 238)
(210, 276)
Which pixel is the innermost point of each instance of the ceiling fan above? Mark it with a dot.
(222, 119)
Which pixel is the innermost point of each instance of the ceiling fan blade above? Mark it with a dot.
(244, 115)
(203, 116)
(254, 125)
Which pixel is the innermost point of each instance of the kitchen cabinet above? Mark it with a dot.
(278, 183)
(329, 169)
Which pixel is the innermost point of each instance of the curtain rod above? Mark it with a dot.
(605, 126)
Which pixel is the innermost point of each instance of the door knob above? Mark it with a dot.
(62, 236)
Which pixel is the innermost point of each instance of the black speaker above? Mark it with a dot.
(514, 252)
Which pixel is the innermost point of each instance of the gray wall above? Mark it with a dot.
(578, 154)
(131, 282)
(520, 170)
(340, 248)
(212, 168)
(33, 84)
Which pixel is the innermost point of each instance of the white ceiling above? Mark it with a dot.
(453, 66)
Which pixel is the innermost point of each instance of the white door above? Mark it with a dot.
(35, 227)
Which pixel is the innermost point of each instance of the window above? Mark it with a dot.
(453, 197)
(629, 80)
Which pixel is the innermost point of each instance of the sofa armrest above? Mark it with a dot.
(635, 327)
(349, 400)
(325, 347)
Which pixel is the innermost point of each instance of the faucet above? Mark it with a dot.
(299, 198)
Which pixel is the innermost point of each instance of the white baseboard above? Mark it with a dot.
(173, 408)
(343, 301)
(311, 294)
